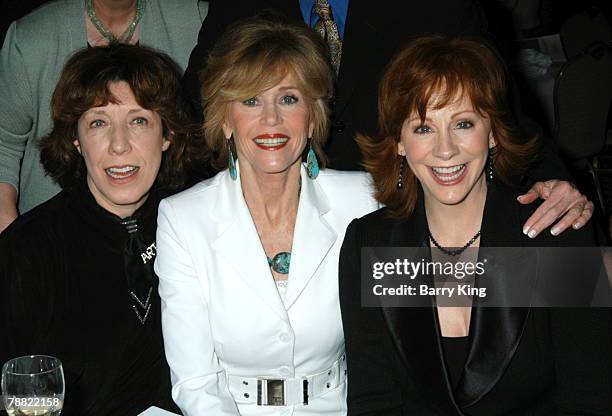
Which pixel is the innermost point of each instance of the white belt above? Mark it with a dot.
(267, 391)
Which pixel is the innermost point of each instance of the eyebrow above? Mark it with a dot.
(103, 112)
(463, 111)
(288, 87)
(455, 114)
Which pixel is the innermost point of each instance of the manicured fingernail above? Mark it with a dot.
(532, 233)
(519, 197)
(526, 230)
(577, 225)
(554, 231)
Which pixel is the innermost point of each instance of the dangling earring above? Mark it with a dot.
(230, 161)
(490, 173)
(312, 164)
(400, 179)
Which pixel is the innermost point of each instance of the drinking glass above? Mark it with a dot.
(33, 386)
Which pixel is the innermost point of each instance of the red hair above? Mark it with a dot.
(445, 68)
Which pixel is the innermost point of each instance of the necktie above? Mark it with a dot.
(328, 29)
(139, 274)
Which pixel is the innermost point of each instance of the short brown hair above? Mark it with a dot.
(254, 55)
(155, 81)
(443, 67)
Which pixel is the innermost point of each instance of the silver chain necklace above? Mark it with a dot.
(104, 31)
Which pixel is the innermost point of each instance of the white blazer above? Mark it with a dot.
(222, 315)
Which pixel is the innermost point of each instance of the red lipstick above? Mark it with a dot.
(271, 141)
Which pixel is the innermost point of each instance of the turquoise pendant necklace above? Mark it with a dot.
(281, 262)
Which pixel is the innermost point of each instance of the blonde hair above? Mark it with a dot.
(254, 55)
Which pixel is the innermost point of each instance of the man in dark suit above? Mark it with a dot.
(371, 32)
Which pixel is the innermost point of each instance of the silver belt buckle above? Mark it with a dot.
(270, 392)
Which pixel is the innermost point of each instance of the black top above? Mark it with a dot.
(64, 292)
(455, 352)
(519, 361)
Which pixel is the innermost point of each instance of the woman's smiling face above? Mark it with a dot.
(448, 150)
(122, 147)
(271, 129)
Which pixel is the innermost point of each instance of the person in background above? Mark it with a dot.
(76, 272)
(446, 163)
(36, 48)
(362, 37)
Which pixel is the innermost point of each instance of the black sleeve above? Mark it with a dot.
(26, 296)
(372, 389)
(549, 164)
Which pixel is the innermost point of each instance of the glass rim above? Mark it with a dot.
(6, 364)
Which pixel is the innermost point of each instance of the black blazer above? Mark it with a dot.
(520, 361)
(372, 34)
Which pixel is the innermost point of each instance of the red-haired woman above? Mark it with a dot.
(445, 163)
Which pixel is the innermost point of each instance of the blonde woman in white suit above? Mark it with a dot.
(248, 260)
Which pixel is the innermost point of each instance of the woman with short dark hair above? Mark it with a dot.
(36, 48)
(85, 83)
(76, 273)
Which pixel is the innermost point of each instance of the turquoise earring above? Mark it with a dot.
(312, 164)
(230, 161)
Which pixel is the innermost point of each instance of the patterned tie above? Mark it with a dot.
(328, 29)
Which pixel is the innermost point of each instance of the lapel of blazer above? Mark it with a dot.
(359, 32)
(313, 238)
(239, 246)
(415, 331)
(494, 332)
(289, 9)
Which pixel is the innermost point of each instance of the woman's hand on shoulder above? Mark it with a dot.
(562, 201)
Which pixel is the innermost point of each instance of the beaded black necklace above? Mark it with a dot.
(457, 251)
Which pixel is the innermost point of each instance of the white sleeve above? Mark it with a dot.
(199, 383)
